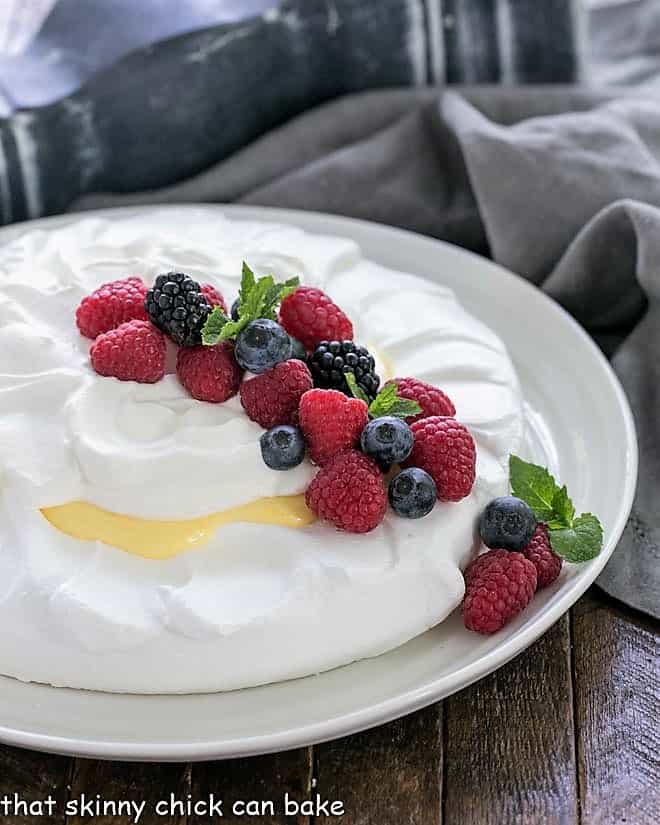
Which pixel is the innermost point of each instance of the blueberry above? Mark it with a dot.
(282, 447)
(234, 309)
(261, 345)
(412, 493)
(387, 440)
(298, 351)
(507, 523)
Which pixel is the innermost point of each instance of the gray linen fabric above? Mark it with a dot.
(560, 185)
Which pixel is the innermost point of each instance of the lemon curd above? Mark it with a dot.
(155, 539)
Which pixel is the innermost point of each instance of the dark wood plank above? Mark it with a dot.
(617, 703)
(31, 777)
(510, 755)
(259, 779)
(390, 775)
(129, 782)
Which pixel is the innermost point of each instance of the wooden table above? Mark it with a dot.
(568, 732)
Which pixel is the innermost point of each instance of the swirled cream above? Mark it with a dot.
(255, 602)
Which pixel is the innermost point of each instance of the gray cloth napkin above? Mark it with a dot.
(560, 185)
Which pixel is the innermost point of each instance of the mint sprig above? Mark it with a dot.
(387, 402)
(258, 298)
(574, 538)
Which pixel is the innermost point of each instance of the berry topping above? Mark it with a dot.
(213, 296)
(445, 449)
(261, 345)
(134, 351)
(331, 360)
(234, 309)
(111, 305)
(432, 400)
(331, 422)
(498, 585)
(349, 491)
(387, 440)
(412, 493)
(282, 447)
(309, 315)
(177, 306)
(273, 397)
(209, 373)
(507, 523)
(540, 553)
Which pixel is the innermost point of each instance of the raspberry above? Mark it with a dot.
(445, 449)
(309, 315)
(134, 351)
(331, 422)
(111, 305)
(432, 400)
(498, 585)
(349, 491)
(273, 397)
(209, 373)
(543, 557)
(213, 296)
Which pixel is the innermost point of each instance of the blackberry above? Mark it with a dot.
(176, 305)
(331, 360)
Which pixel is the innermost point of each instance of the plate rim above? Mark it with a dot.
(413, 699)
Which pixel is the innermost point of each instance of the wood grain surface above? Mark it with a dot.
(568, 732)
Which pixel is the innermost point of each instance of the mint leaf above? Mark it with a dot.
(574, 539)
(580, 542)
(258, 298)
(563, 510)
(356, 391)
(212, 329)
(383, 401)
(534, 485)
(389, 402)
(277, 293)
(247, 281)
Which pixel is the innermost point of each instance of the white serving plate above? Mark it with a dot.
(582, 427)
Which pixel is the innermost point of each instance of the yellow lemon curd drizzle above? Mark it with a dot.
(154, 539)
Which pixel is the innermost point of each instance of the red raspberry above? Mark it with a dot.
(111, 305)
(432, 400)
(310, 316)
(331, 422)
(273, 397)
(209, 373)
(213, 297)
(350, 492)
(134, 351)
(543, 557)
(445, 449)
(498, 585)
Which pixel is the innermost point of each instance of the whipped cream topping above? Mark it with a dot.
(258, 603)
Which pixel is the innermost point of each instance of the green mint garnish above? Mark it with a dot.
(580, 542)
(259, 298)
(356, 391)
(387, 402)
(576, 539)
